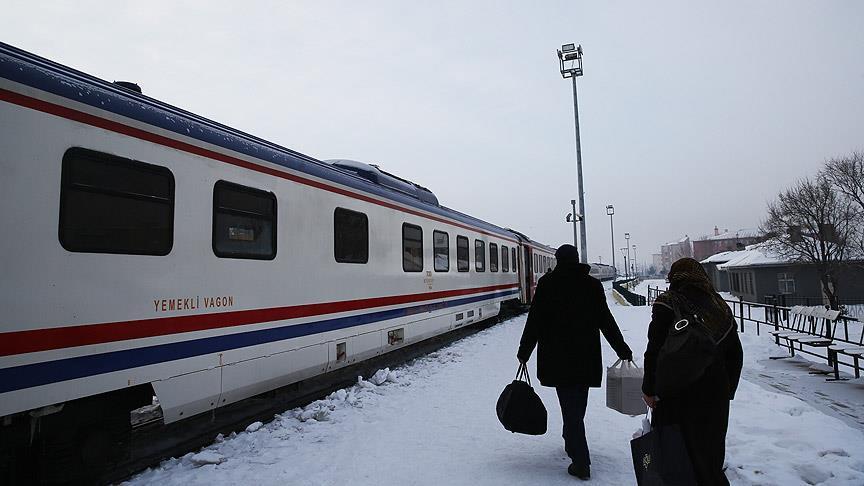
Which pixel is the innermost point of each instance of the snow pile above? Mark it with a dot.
(432, 422)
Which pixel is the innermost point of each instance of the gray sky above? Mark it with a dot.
(692, 115)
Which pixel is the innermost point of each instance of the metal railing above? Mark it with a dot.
(844, 330)
(633, 298)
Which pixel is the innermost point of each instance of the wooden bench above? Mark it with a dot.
(853, 349)
(811, 326)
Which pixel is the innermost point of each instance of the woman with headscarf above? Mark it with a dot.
(700, 408)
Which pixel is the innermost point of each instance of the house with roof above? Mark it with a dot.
(755, 274)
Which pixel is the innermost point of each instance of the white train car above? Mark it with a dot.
(603, 272)
(150, 251)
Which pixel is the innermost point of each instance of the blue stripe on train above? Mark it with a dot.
(27, 376)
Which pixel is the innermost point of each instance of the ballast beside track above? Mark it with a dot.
(151, 442)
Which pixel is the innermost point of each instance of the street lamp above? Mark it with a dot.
(610, 210)
(627, 237)
(570, 65)
(635, 262)
(626, 267)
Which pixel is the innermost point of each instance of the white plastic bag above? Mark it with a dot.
(624, 388)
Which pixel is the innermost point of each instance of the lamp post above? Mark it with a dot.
(635, 262)
(570, 65)
(626, 267)
(627, 237)
(610, 210)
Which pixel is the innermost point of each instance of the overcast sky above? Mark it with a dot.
(692, 115)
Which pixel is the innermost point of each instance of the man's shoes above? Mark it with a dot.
(581, 472)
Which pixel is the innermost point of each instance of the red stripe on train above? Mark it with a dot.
(19, 342)
(93, 120)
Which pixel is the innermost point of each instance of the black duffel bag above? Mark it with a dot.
(519, 408)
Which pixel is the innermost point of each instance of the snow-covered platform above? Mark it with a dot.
(432, 422)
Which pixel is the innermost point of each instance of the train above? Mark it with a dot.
(151, 252)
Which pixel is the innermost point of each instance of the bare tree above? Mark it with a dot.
(813, 222)
(846, 174)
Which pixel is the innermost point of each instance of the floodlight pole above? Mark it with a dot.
(570, 58)
(579, 173)
(610, 210)
(575, 235)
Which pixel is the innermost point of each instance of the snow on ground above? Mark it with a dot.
(642, 287)
(433, 422)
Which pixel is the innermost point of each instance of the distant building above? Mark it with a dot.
(719, 276)
(657, 262)
(674, 251)
(755, 275)
(719, 242)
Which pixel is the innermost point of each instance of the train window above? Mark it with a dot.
(493, 257)
(505, 259)
(244, 222)
(536, 264)
(480, 255)
(462, 257)
(513, 255)
(111, 204)
(412, 248)
(441, 251)
(350, 236)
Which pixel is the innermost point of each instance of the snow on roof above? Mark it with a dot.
(753, 255)
(729, 235)
(721, 257)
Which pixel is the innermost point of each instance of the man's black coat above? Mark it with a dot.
(567, 315)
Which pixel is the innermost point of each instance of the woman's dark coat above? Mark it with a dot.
(701, 410)
(567, 315)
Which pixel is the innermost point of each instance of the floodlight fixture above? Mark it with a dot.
(570, 60)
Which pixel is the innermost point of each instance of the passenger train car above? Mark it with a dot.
(603, 272)
(149, 251)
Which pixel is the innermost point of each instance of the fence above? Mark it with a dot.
(778, 318)
(848, 306)
(631, 297)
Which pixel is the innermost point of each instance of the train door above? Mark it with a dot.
(528, 276)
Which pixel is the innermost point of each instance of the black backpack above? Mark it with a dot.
(519, 408)
(688, 351)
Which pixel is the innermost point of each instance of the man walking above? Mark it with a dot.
(567, 315)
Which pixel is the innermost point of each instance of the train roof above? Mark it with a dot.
(34, 71)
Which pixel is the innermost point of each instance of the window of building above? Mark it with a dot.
(412, 248)
(505, 259)
(785, 283)
(463, 262)
(480, 255)
(110, 204)
(350, 236)
(244, 222)
(441, 251)
(493, 257)
(513, 255)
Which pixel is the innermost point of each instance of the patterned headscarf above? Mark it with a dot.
(690, 286)
(688, 271)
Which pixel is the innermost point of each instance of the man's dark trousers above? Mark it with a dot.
(573, 400)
